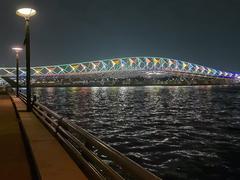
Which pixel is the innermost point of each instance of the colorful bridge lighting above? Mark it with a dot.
(145, 64)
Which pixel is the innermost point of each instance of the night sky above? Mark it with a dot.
(205, 32)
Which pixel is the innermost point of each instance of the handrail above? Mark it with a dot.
(98, 158)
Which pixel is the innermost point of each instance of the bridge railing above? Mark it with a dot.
(95, 157)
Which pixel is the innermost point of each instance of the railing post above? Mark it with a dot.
(34, 100)
(59, 122)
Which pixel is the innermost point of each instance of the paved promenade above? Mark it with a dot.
(51, 160)
(14, 164)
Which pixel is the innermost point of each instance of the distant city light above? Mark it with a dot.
(154, 73)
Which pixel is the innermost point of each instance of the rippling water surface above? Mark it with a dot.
(175, 132)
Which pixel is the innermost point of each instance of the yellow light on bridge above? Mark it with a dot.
(26, 12)
(94, 66)
(74, 67)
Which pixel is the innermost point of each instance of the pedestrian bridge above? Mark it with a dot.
(143, 64)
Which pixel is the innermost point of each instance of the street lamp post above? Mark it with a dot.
(26, 13)
(17, 50)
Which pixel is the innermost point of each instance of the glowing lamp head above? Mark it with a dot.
(17, 49)
(26, 12)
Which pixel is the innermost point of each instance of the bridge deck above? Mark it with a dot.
(13, 159)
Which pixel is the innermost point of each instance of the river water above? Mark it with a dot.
(175, 132)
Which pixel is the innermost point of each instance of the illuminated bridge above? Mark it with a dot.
(146, 67)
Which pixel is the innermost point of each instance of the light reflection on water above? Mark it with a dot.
(175, 132)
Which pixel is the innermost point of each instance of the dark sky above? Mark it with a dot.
(205, 32)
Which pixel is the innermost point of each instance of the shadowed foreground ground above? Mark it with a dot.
(13, 160)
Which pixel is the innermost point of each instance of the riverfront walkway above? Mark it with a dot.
(13, 159)
(51, 160)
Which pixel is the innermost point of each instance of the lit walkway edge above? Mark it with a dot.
(51, 159)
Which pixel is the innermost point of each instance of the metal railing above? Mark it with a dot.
(95, 157)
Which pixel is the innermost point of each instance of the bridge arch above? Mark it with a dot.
(146, 64)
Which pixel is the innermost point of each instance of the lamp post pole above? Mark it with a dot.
(17, 50)
(26, 13)
(17, 73)
(28, 65)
